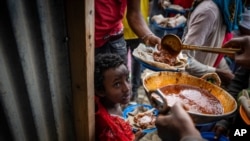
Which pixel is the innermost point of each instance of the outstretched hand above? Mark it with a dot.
(242, 57)
(176, 124)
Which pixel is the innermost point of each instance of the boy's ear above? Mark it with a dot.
(100, 93)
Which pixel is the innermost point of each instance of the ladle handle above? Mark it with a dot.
(228, 51)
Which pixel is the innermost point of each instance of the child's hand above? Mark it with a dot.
(138, 135)
(220, 128)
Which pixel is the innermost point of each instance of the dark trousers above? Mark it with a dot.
(117, 46)
(135, 68)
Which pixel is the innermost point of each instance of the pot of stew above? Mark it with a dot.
(207, 102)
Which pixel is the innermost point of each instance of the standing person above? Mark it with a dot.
(207, 25)
(109, 28)
(133, 41)
(112, 88)
(186, 4)
(156, 9)
(240, 82)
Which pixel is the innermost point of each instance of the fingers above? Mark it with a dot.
(235, 42)
(180, 108)
(218, 132)
(139, 134)
(162, 120)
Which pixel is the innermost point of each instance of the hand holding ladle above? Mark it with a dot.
(173, 45)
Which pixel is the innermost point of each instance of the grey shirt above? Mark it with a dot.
(205, 27)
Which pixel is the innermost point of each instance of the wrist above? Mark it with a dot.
(146, 37)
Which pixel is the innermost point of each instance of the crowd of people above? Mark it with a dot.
(210, 23)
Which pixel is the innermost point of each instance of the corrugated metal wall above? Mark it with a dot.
(35, 91)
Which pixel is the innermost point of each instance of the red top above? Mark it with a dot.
(227, 37)
(184, 3)
(111, 127)
(108, 18)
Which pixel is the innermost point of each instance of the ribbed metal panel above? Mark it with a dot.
(35, 83)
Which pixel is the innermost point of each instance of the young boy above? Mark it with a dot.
(112, 88)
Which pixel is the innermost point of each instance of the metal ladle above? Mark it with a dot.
(173, 45)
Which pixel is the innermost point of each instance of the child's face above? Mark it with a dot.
(117, 85)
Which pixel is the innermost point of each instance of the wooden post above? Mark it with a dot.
(80, 24)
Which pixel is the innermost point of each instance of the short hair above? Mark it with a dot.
(103, 62)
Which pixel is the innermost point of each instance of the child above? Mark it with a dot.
(112, 88)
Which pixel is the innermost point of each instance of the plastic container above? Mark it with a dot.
(206, 127)
(178, 30)
(210, 137)
(133, 107)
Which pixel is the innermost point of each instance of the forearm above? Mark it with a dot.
(198, 69)
(136, 20)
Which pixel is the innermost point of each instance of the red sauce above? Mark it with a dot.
(199, 100)
(164, 57)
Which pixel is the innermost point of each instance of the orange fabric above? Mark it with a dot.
(111, 128)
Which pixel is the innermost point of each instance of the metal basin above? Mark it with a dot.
(158, 80)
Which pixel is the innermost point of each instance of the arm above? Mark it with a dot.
(139, 25)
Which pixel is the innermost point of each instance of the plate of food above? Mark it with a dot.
(141, 117)
(156, 60)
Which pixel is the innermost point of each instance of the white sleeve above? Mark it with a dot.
(198, 69)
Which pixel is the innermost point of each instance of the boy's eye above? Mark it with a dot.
(117, 84)
(128, 79)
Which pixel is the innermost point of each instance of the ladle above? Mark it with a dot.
(173, 45)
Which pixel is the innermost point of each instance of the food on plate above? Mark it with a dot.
(159, 59)
(169, 22)
(164, 57)
(199, 100)
(142, 118)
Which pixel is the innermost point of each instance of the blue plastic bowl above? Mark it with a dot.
(210, 136)
(205, 127)
(170, 30)
(133, 107)
(146, 65)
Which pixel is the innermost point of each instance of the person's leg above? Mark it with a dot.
(135, 69)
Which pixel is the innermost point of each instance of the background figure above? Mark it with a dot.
(109, 28)
(156, 9)
(186, 4)
(132, 42)
(208, 24)
(242, 74)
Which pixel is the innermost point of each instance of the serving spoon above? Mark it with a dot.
(158, 101)
(173, 45)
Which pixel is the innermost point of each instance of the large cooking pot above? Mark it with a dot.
(156, 80)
